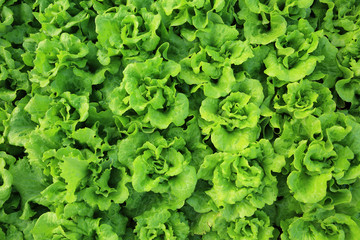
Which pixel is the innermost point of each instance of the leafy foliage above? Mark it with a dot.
(179, 119)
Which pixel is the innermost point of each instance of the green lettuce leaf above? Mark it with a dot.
(242, 183)
(232, 122)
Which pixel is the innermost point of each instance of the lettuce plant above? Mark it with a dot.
(303, 99)
(179, 119)
(242, 183)
(320, 225)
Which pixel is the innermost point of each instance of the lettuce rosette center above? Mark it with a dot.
(160, 223)
(321, 224)
(296, 54)
(158, 165)
(126, 32)
(233, 119)
(242, 183)
(149, 89)
(304, 98)
(249, 174)
(257, 228)
(158, 160)
(233, 107)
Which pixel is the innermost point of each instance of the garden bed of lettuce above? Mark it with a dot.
(179, 119)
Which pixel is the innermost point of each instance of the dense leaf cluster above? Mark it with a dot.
(180, 119)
